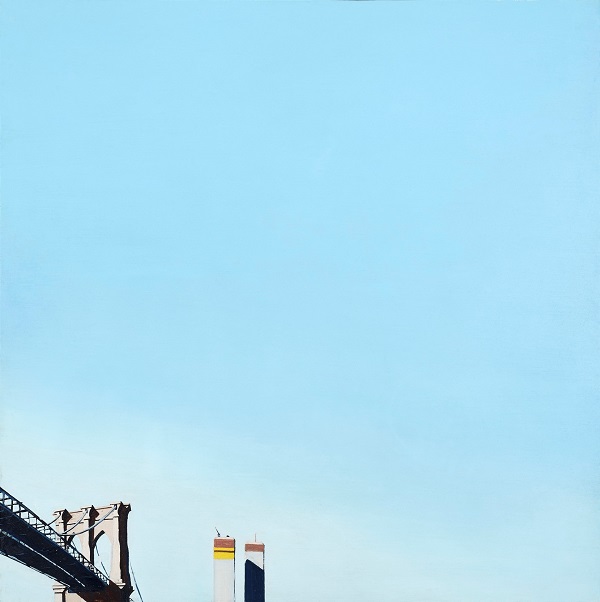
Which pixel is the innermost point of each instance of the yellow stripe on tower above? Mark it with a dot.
(224, 553)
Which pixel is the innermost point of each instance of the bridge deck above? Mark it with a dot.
(29, 540)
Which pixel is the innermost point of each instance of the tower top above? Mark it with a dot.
(255, 546)
(224, 542)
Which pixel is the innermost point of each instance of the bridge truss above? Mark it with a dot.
(26, 538)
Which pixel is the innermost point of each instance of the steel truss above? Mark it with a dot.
(26, 538)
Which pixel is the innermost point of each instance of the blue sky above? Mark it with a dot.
(356, 241)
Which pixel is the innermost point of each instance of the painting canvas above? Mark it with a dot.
(300, 301)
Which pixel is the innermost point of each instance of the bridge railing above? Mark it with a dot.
(16, 507)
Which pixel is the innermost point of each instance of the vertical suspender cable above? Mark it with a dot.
(135, 581)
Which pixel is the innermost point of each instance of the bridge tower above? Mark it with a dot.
(89, 524)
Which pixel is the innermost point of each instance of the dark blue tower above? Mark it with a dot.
(254, 585)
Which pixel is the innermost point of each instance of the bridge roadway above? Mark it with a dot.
(26, 538)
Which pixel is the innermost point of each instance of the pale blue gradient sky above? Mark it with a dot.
(360, 241)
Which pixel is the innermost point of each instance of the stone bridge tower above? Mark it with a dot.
(89, 524)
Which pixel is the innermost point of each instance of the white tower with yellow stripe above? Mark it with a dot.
(224, 559)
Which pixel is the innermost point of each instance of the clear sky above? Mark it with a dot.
(323, 271)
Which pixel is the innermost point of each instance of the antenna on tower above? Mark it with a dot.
(218, 534)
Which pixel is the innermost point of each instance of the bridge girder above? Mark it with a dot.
(29, 540)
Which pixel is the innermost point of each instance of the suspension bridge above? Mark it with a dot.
(48, 548)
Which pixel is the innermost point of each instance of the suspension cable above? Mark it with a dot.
(97, 522)
(135, 581)
(97, 553)
(73, 526)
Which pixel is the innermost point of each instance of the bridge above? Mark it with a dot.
(50, 550)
